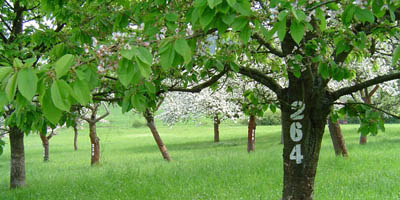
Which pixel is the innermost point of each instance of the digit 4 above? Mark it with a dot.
(296, 154)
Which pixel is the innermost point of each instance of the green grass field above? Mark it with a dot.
(132, 167)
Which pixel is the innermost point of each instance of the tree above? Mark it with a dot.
(94, 139)
(34, 35)
(337, 138)
(45, 142)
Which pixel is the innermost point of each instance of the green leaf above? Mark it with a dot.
(125, 71)
(297, 31)
(245, 34)
(377, 8)
(3, 100)
(17, 63)
(396, 55)
(82, 92)
(281, 27)
(63, 65)
(322, 21)
(144, 69)
(240, 23)
(206, 18)
(348, 14)
(243, 7)
(138, 102)
(150, 87)
(128, 53)
(323, 69)
(200, 3)
(11, 87)
(4, 72)
(60, 96)
(183, 49)
(232, 3)
(235, 67)
(50, 111)
(144, 55)
(27, 83)
(298, 14)
(172, 17)
(213, 3)
(272, 107)
(364, 15)
(167, 58)
(228, 19)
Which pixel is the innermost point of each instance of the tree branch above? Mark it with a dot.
(371, 106)
(105, 114)
(267, 45)
(263, 79)
(5, 23)
(322, 4)
(199, 87)
(3, 37)
(365, 84)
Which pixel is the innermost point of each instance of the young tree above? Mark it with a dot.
(94, 139)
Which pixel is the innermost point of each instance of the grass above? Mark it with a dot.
(132, 167)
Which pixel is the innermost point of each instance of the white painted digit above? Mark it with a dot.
(92, 149)
(296, 134)
(296, 154)
(299, 106)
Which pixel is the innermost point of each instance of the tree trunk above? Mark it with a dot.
(363, 139)
(95, 144)
(17, 171)
(150, 123)
(251, 134)
(304, 116)
(216, 128)
(337, 138)
(45, 143)
(75, 137)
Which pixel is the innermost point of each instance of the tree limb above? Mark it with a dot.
(263, 79)
(365, 84)
(105, 114)
(197, 88)
(3, 37)
(371, 106)
(322, 4)
(267, 45)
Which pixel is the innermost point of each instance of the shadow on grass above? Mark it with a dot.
(209, 144)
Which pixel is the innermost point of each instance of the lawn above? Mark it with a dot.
(132, 167)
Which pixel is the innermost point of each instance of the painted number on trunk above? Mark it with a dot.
(296, 154)
(92, 149)
(296, 134)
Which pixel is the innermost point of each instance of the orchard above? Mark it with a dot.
(68, 61)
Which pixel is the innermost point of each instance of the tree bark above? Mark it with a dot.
(216, 128)
(75, 137)
(251, 134)
(45, 143)
(304, 116)
(150, 123)
(363, 139)
(337, 138)
(17, 171)
(95, 144)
